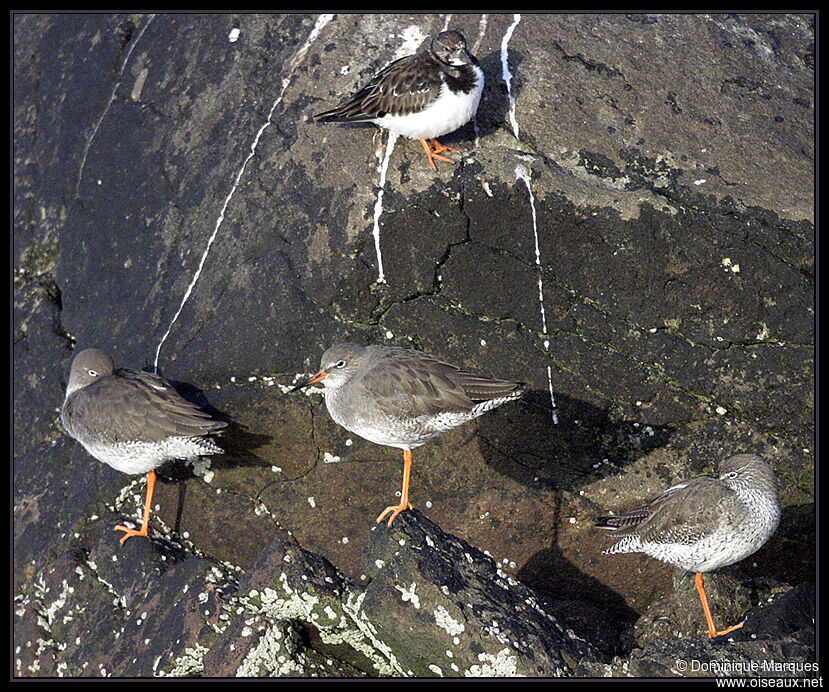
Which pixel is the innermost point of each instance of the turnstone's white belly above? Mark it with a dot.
(448, 112)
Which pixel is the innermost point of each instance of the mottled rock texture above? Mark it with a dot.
(629, 225)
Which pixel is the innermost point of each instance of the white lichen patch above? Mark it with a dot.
(501, 665)
(409, 594)
(189, 664)
(274, 655)
(445, 621)
(351, 628)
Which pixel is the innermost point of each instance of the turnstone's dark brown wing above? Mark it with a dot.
(405, 86)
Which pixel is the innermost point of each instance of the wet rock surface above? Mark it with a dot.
(629, 228)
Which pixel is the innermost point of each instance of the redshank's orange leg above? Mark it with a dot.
(129, 533)
(712, 631)
(434, 154)
(404, 495)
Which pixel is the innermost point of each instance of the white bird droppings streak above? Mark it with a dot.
(413, 37)
(322, 20)
(111, 99)
(506, 75)
(382, 167)
(475, 47)
(481, 31)
(521, 173)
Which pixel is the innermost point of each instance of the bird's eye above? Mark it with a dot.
(339, 364)
(733, 474)
(93, 373)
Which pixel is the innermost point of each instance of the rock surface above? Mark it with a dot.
(629, 227)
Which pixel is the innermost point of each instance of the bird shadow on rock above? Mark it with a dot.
(494, 106)
(593, 611)
(236, 441)
(581, 444)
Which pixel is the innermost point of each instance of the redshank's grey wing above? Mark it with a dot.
(405, 86)
(684, 513)
(418, 384)
(133, 406)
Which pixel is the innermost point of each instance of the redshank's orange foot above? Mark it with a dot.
(712, 632)
(435, 154)
(129, 533)
(395, 510)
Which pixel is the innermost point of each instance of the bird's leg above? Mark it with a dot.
(435, 154)
(129, 533)
(712, 631)
(404, 495)
(440, 148)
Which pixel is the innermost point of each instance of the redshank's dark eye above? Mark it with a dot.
(339, 364)
(733, 474)
(93, 373)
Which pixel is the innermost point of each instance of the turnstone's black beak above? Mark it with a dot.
(319, 377)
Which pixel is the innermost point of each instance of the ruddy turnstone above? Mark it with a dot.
(704, 523)
(134, 421)
(422, 96)
(402, 398)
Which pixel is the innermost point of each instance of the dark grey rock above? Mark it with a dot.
(174, 201)
(139, 612)
(776, 640)
(445, 608)
(433, 606)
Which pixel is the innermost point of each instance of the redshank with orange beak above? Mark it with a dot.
(402, 398)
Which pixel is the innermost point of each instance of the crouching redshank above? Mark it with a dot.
(402, 398)
(134, 421)
(704, 523)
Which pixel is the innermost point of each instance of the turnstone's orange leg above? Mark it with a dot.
(440, 148)
(404, 496)
(712, 631)
(129, 533)
(435, 154)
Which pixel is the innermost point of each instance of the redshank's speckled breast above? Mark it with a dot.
(704, 523)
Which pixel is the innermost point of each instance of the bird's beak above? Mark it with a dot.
(319, 377)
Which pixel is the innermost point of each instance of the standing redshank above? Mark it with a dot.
(704, 523)
(402, 398)
(134, 421)
(422, 96)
